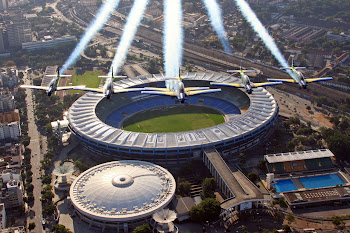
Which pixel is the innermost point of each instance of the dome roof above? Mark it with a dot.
(122, 190)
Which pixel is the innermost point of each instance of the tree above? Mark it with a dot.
(60, 229)
(26, 140)
(252, 176)
(290, 218)
(287, 229)
(208, 210)
(183, 187)
(10, 63)
(145, 228)
(31, 226)
(30, 188)
(337, 221)
(49, 209)
(46, 180)
(209, 186)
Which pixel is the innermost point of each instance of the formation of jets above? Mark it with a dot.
(53, 85)
(246, 83)
(178, 88)
(298, 77)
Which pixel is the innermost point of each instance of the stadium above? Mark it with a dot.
(98, 122)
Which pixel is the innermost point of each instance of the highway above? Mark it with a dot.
(34, 211)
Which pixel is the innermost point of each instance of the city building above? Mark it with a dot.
(342, 37)
(7, 103)
(47, 42)
(121, 194)
(18, 32)
(7, 117)
(10, 174)
(10, 131)
(2, 216)
(3, 5)
(14, 194)
(20, 229)
(306, 178)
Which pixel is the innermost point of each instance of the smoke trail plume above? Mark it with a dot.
(100, 19)
(173, 39)
(257, 26)
(214, 13)
(129, 31)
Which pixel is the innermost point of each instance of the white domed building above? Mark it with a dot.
(121, 194)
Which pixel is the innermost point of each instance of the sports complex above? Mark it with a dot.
(159, 129)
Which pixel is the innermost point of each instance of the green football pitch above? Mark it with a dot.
(89, 78)
(173, 119)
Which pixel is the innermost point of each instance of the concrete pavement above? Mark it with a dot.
(35, 210)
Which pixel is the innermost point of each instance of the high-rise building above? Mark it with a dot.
(15, 194)
(3, 4)
(10, 131)
(18, 31)
(7, 103)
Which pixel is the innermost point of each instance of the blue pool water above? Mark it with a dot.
(285, 186)
(321, 181)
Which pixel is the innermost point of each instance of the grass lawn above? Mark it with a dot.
(173, 119)
(89, 78)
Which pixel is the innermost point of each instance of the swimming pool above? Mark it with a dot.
(284, 185)
(321, 181)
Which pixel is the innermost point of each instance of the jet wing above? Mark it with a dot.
(127, 90)
(227, 84)
(311, 80)
(156, 89)
(189, 93)
(265, 84)
(196, 88)
(167, 93)
(36, 87)
(282, 80)
(69, 88)
(98, 90)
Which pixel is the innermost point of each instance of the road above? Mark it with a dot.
(34, 211)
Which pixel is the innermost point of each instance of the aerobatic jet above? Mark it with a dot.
(298, 77)
(53, 85)
(246, 83)
(107, 90)
(177, 89)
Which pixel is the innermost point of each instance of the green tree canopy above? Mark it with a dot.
(208, 210)
(145, 228)
(59, 228)
(209, 186)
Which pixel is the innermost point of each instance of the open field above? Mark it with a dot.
(173, 119)
(89, 78)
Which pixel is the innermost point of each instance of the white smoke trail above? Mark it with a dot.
(257, 26)
(173, 40)
(100, 19)
(214, 13)
(129, 31)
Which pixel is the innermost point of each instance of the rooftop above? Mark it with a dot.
(299, 155)
(317, 195)
(122, 190)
